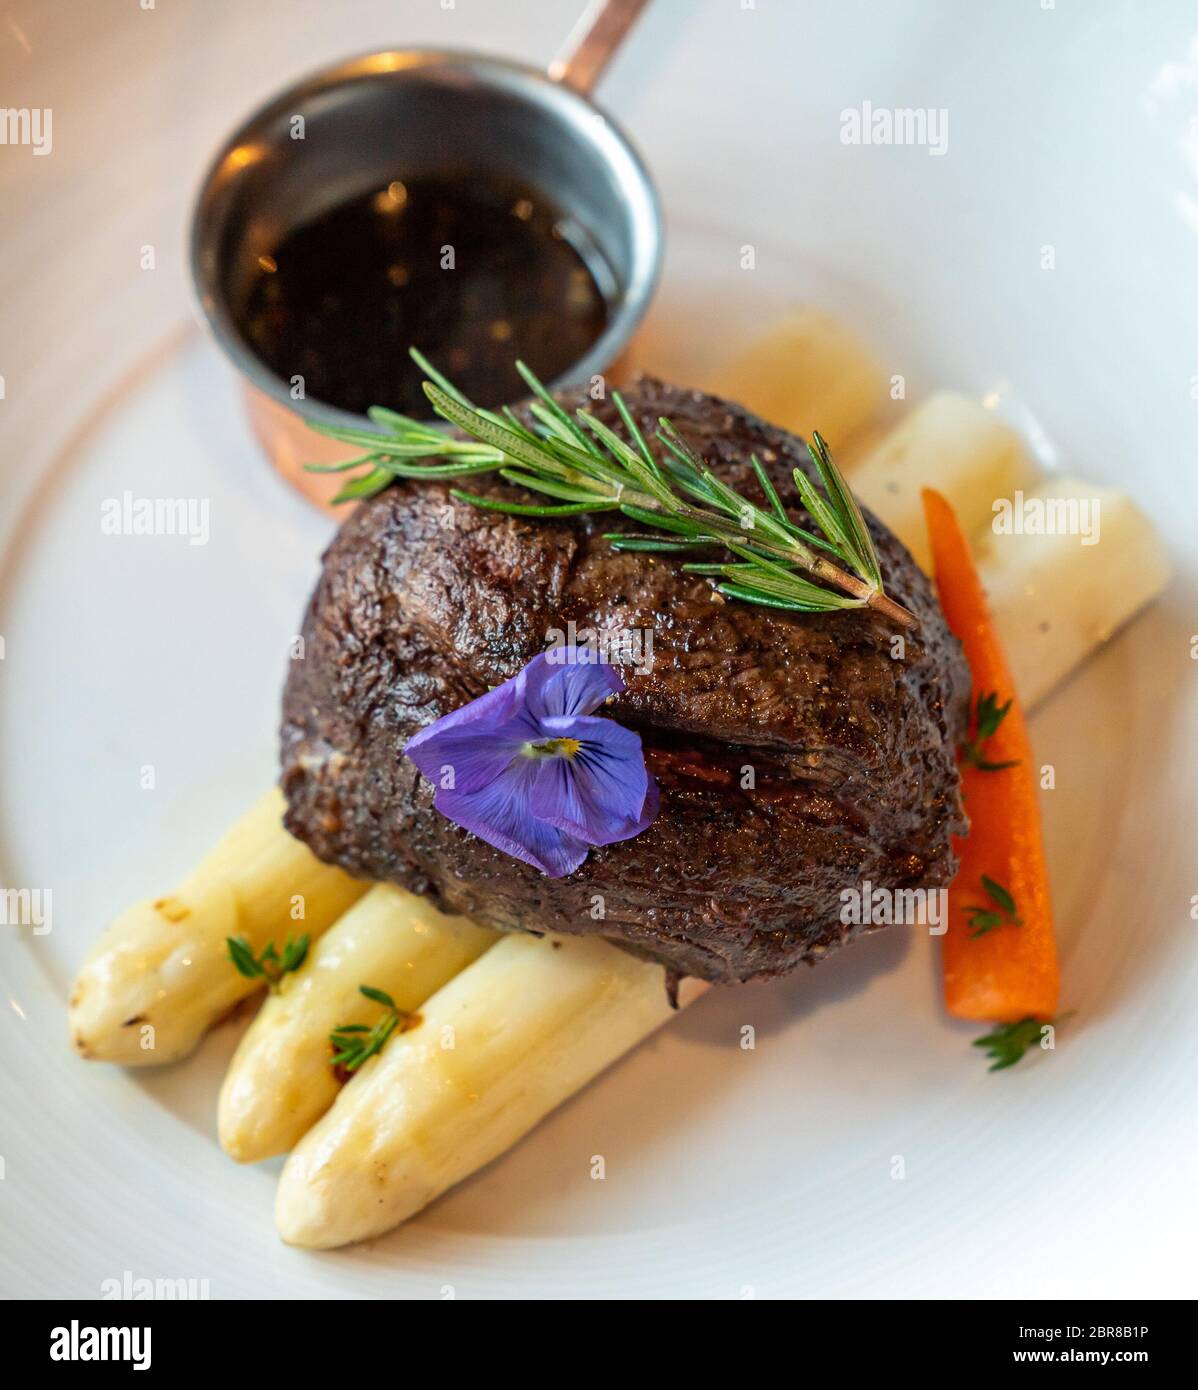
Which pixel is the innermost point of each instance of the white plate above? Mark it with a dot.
(728, 1171)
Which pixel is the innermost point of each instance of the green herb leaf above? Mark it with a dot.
(984, 919)
(988, 716)
(345, 467)
(767, 486)
(768, 600)
(294, 954)
(847, 510)
(440, 381)
(354, 1043)
(1008, 1043)
(368, 485)
(663, 544)
(999, 895)
(243, 957)
(270, 965)
(547, 485)
(554, 410)
(634, 432)
(497, 504)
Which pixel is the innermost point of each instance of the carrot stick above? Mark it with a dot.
(993, 970)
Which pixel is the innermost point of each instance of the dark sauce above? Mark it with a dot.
(475, 275)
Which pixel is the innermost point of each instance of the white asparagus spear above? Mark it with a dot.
(280, 1081)
(160, 976)
(950, 443)
(808, 372)
(1055, 600)
(503, 1044)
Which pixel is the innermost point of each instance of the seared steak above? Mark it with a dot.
(797, 754)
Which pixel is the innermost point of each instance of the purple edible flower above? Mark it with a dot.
(528, 767)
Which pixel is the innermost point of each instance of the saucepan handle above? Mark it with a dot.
(593, 42)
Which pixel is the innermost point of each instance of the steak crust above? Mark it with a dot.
(797, 754)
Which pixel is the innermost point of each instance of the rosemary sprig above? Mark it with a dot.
(988, 715)
(585, 466)
(270, 966)
(985, 919)
(1008, 1043)
(353, 1043)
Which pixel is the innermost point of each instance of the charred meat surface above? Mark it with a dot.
(797, 754)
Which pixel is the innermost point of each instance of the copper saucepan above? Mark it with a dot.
(415, 112)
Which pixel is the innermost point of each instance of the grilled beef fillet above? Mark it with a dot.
(797, 754)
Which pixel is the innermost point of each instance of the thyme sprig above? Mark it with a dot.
(353, 1043)
(588, 467)
(988, 715)
(1008, 1042)
(983, 919)
(271, 965)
